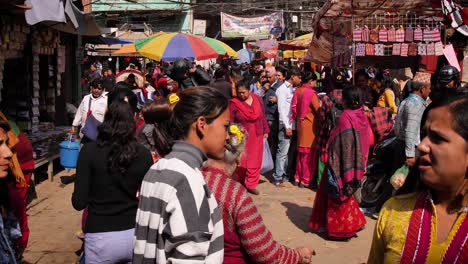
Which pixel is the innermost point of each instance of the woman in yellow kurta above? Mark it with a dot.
(431, 224)
(387, 97)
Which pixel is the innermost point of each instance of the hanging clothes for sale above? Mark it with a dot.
(370, 49)
(360, 50)
(404, 50)
(396, 49)
(439, 48)
(374, 35)
(427, 34)
(400, 34)
(422, 49)
(412, 49)
(357, 34)
(418, 34)
(436, 35)
(383, 34)
(409, 34)
(391, 34)
(379, 49)
(365, 34)
(430, 49)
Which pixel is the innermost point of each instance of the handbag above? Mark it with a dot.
(267, 159)
(90, 128)
(333, 188)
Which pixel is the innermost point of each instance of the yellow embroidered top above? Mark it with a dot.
(392, 226)
(387, 99)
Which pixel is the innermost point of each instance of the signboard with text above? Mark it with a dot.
(235, 27)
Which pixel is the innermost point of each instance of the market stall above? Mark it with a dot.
(30, 82)
(364, 32)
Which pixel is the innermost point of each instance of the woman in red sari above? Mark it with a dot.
(247, 110)
(336, 212)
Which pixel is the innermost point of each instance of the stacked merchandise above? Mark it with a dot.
(13, 87)
(45, 41)
(389, 40)
(47, 139)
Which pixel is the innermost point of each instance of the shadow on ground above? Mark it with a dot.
(299, 215)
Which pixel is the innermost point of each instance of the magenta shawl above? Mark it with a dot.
(300, 106)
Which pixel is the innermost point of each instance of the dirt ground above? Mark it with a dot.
(286, 211)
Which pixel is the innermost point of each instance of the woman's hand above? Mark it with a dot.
(265, 135)
(306, 255)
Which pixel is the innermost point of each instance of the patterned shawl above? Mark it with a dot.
(348, 148)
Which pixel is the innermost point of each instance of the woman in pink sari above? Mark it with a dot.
(305, 105)
(247, 109)
(336, 212)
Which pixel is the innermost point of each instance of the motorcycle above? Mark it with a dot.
(375, 186)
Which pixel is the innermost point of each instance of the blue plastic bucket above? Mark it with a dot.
(69, 151)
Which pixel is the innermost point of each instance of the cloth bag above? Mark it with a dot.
(357, 34)
(379, 50)
(90, 128)
(267, 159)
(391, 34)
(374, 35)
(418, 34)
(383, 34)
(409, 34)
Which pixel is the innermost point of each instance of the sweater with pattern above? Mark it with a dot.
(246, 238)
(178, 219)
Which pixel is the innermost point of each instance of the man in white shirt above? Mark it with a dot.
(284, 96)
(92, 104)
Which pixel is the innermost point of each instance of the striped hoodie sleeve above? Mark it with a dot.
(255, 236)
(177, 219)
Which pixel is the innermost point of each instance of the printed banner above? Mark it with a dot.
(234, 26)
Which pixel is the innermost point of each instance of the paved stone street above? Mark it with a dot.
(53, 223)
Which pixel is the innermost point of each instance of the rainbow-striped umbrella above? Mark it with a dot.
(173, 46)
(221, 47)
(130, 48)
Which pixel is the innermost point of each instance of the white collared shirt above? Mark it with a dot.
(98, 109)
(284, 95)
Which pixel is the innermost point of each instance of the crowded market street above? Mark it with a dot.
(54, 224)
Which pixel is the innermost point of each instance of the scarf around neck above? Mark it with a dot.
(418, 237)
(249, 112)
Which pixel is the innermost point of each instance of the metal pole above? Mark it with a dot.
(78, 68)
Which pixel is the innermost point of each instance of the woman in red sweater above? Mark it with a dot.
(246, 238)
